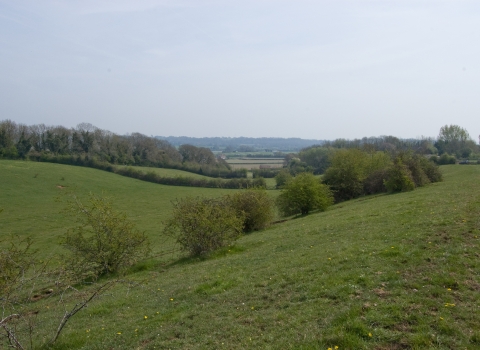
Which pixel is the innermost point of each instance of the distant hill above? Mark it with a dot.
(262, 143)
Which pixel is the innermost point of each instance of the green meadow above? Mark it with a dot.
(381, 272)
(165, 172)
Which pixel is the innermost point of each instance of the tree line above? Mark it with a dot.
(86, 143)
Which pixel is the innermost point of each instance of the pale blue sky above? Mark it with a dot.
(309, 69)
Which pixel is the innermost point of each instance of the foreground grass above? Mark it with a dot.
(385, 272)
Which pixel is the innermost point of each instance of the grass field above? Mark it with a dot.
(164, 172)
(31, 196)
(254, 163)
(385, 272)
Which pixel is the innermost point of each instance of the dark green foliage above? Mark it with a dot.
(318, 157)
(265, 173)
(399, 178)
(347, 173)
(355, 172)
(444, 159)
(283, 177)
(202, 225)
(103, 240)
(375, 182)
(255, 206)
(303, 194)
(86, 144)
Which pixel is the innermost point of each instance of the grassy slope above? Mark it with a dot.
(29, 191)
(164, 172)
(374, 273)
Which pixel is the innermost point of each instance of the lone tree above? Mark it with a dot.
(303, 194)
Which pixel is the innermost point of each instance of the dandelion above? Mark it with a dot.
(145, 317)
(329, 349)
(329, 258)
(158, 312)
(449, 289)
(119, 332)
(253, 308)
(336, 347)
(369, 334)
(441, 318)
(171, 299)
(88, 330)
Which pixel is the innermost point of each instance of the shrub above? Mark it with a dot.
(399, 178)
(255, 206)
(103, 240)
(375, 182)
(202, 225)
(415, 164)
(346, 174)
(446, 159)
(303, 194)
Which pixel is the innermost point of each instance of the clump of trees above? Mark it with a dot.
(355, 172)
(455, 140)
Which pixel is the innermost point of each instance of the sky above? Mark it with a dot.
(255, 68)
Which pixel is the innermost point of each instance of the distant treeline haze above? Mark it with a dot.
(87, 143)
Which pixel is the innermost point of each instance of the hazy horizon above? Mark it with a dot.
(317, 70)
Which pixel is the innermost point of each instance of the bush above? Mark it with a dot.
(346, 174)
(375, 182)
(399, 178)
(202, 225)
(303, 194)
(103, 240)
(446, 159)
(255, 206)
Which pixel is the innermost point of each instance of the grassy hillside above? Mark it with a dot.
(386, 272)
(164, 172)
(31, 196)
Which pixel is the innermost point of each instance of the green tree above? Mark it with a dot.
(455, 140)
(399, 178)
(282, 178)
(303, 194)
(317, 157)
(347, 173)
(103, 240)
(202, 225)
(255, 206)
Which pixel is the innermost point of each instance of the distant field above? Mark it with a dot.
(255, 163)
(168, 172)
